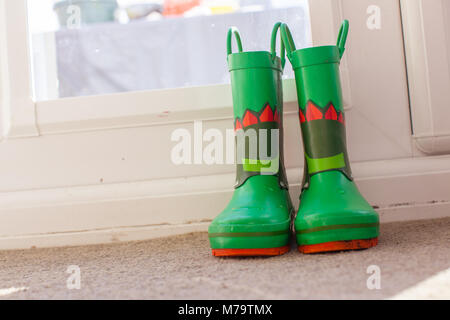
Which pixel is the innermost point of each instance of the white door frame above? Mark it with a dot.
(426, 28)
(18, 109)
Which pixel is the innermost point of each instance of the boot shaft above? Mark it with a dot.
(258, 108)
(321, 112)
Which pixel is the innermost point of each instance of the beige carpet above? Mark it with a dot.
(182, 268)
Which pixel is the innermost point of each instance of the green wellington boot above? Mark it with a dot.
(333, 215)
(257, 219)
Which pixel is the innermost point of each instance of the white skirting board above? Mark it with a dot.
(401, 189)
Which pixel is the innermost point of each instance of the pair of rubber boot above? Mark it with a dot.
(260, 217)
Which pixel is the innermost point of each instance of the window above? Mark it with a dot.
(88, 47)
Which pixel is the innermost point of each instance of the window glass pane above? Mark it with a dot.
(90, 47)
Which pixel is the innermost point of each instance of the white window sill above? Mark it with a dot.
(145, 108)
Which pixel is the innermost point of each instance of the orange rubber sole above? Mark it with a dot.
(250, 252)
(339, 246)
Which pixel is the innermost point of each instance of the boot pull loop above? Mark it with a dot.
(235, 31)
(342, 38)
(273, 44)
(286, 37)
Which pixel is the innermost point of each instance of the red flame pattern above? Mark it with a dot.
(314, 112)
(251, 117)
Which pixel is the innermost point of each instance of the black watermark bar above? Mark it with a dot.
(213, 309)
